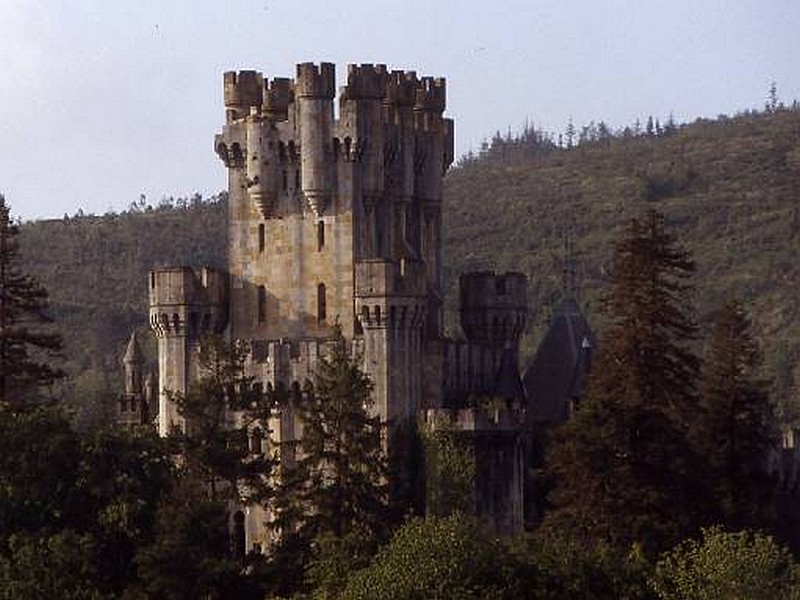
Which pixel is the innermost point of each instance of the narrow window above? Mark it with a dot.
(262, 237)
(285, 181)
(152, 280)
(297, 179)
(239, 536)
(321, 303)
(262, 304)
(320, 235)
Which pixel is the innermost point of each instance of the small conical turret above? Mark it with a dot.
(133, 355)
(133, 361)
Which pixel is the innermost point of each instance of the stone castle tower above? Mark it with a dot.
(335, 217)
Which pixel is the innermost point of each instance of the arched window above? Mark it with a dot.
(262, 304)
(321, 303)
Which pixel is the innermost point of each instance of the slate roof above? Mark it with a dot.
(558, 371)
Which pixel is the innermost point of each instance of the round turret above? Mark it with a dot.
(493, 307)
(242, 90)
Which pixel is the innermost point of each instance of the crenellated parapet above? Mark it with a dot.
(493, 308)
(365, 82)
(243, 90)
(187, 302)
(278, 96)
(430, 95)
(390, 294)
(316, 81)
(390, 132)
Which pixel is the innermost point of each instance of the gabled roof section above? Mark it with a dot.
(558, 371)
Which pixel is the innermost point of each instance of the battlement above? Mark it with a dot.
(243, 89)
(184, 300)
(365, 82)
(493, 307)
(430, 94)
(278, 95)
(315, 81)
(401, 88)
(380, 277)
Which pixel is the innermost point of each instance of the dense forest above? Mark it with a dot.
(533, 202)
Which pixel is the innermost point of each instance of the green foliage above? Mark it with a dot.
(41, 567)
(725, 566)
(333, 559)
(122, 478)
(26, 347)
(440, 558)
(735, 428)
(336, 483)
(449, 471)
(95, 496)
(214, 446)
(39, 467)
(561, 564)
(624, 462)
(190, 557)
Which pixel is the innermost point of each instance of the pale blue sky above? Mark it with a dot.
(105, 99)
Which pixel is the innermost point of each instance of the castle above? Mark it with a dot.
(335, 219)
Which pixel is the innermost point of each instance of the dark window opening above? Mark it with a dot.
(320, 235)
(285, 181)
(239, 541)
(262, 237)
(262, 304)
(297, 179)
(321, 303)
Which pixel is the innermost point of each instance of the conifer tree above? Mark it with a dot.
(26, 347)
(624, 466)
(215, 445)
(336, 486)
(735, 429)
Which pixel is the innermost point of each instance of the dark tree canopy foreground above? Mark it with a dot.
(625, 470)
(735, 427)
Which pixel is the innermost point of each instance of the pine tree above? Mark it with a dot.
(624, 467)
(736, 427)
(215, 445)
(337, 484)
(26, 347)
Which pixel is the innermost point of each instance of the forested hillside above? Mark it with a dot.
(729, 187)
(95, 269)
(730, 190)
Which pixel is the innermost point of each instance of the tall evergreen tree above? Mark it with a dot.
(225, 415)
(735, 429)
(624, 466)
(26, 347)
(337, 484)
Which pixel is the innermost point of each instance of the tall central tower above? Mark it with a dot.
(338, 221)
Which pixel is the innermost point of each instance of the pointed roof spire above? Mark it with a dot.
(133, 355)
(508, 383)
